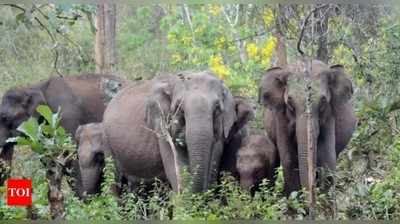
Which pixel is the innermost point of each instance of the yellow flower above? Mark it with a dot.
(176, 58)
(218, 67)
(252, 50)
(171, 37)
(186, 40)
(232, 48)
(268, 17)
(268, 50)
(220, 42)
(215, 10)
(199, 30)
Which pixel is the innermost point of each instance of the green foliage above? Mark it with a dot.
(48, 139)
(99, 207)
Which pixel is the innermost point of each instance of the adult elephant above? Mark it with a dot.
(195, 108)
(82, 100)
(282, 92)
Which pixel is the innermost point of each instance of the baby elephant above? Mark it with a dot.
(91, 152)
(256, 159)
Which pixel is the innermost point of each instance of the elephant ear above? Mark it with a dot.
(78, 133)
(228, 114)
(340, 86)
(244, 113)
(33, 98)
(272, 89)
(158, 103)
(93, 133)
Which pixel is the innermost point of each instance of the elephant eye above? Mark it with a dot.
(98, 157)
(290, 104)
(323, 104)
(267, 96)
(4, 118)
(217, 108)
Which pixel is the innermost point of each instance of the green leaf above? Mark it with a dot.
(46, 112)
(30, 128)
(37, 147)
(20, 18)
(19, 140)
(56, 118)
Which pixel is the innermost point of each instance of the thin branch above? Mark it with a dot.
(305, 25)
(15, 6)
(189, 20)
(52, 37)
(250, 36)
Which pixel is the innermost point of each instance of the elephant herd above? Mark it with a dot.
(157, 128)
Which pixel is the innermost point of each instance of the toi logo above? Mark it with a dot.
(19, 192)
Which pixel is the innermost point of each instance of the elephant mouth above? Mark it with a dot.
(178, 130)
(180, 139)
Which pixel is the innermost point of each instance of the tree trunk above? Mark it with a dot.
(56, 199)
(281, 50)
(157, 15)
(5, 162)
(311, 145)
(105, 46)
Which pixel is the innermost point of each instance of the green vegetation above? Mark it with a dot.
(365, 40)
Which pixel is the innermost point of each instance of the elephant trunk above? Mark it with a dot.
(199, 141)
(246, 182)
(302, 134)
(4, 135)
(91, 180)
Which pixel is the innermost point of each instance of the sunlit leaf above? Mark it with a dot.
(30, 128)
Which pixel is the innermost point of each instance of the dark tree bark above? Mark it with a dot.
(55, 196)
(157, 15)
(5, 162)
(105, 44)
(281, 50)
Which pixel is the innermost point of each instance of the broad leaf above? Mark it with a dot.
(46, 112)
(30, 128)
(56, 118)
(19, 140)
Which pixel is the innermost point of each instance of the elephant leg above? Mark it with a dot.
(326, 155)
(290, 172)
(168, 161)
(215, 161)
(288, 155)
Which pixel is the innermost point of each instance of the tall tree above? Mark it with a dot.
(281, 50)
(105, 44)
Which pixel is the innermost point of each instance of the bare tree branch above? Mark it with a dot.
(305, 25)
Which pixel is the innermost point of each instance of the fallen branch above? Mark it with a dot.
(165, 126)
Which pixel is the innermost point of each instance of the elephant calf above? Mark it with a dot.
(256, 159)
(245, 111)
(91, 152)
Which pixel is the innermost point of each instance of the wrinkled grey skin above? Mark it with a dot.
(245, 112)
(91, 153)
(282, 92)
(82, 100)
(204, 115)
(256, 159)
